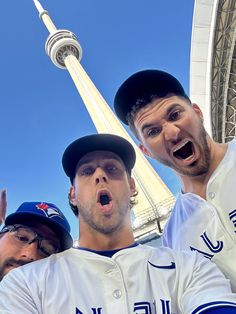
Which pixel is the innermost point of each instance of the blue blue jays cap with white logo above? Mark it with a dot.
(48, 214)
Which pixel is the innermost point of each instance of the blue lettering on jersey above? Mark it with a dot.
(139, 308)
(150, 308)
(213, 248)
(205, 254)
(142, 307)
(165, 304)
(94, 311)
(97, 311)
(232, 217)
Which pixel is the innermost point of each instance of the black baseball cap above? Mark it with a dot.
(43, 213)
(95, 142)
(142, 84)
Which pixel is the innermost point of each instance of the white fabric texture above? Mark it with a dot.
(136, 280)
(209, 226)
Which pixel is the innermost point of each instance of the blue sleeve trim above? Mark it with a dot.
(221, 310)
(218, 304)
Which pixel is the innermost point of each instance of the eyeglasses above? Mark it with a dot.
(24, 236)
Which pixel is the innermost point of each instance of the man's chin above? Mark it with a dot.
(192, 171)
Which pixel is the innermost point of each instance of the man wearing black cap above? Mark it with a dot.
(170, 129)
(35, 231)
(109, 272)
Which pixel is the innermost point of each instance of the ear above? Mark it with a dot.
(144, 150)
(72, 196)
(132, 186)
(198, 111)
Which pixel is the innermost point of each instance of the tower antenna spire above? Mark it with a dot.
(155, 199)
(44, 16)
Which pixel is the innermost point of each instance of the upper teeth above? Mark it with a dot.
(180, 145)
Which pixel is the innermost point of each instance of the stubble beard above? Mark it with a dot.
(198, 168)
(105, 224)
(10, 261)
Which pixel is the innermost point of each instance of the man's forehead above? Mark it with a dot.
(98, 154)
(163, 103)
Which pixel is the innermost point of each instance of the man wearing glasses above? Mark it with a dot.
(109, 273)
(35, 231)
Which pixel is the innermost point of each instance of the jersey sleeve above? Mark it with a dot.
(15, 296)
(164, 239)
(206, 289)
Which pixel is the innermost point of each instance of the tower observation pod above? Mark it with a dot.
(154, 200)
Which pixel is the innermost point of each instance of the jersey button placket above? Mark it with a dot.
(117, 294)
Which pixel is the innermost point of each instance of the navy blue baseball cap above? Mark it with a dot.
(45, 213)
(95, 142)
(143, 84)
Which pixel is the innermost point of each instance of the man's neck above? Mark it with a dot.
(104, 242)
(198, 184)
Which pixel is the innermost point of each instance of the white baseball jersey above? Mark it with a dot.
(209, 226)
(139, 280)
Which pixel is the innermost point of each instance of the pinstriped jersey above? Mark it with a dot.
(209, 226)
(136, 280)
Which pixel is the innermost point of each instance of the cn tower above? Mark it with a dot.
(154, 200)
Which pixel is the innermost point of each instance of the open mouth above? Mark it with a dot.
(184, 151)
(104, 198)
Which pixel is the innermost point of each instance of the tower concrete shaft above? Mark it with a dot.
(154, 198)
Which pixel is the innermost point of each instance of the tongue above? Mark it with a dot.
(106, 205)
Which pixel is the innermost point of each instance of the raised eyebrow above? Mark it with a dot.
(173, 106)
(168, 111)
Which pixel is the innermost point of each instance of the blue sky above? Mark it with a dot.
(41, 111)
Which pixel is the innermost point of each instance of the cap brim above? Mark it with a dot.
(96, 142)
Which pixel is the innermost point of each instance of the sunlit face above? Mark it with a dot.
(102, 191)
(13, 254)
(171, 131)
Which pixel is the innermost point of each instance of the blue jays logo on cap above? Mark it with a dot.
(49, 211)
(45, 213)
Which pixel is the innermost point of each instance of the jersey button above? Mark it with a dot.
(117, 294)
(211, 195)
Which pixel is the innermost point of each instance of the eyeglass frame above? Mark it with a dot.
(38, 238)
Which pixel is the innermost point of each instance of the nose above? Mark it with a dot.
(171, 131)
(30, 252)
(100, 176)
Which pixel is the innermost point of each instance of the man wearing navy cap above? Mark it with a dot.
(109, 272)
(170, 129)
(35, 231)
